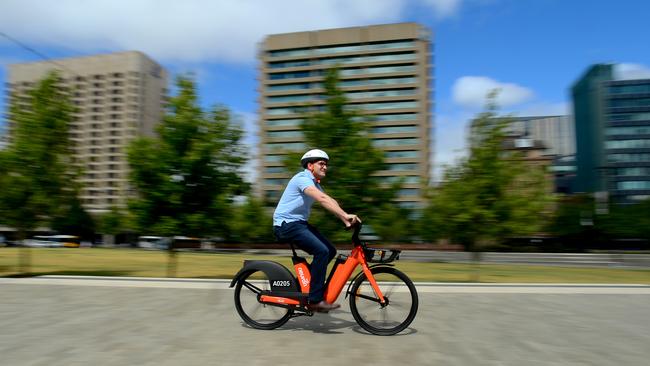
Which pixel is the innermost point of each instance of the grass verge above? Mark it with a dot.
(141, 263)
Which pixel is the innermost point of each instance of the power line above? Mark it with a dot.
(49, 60)
(39, 54)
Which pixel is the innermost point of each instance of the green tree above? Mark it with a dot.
(490, 195)
(186, 177)
(393, 223)
(627, 221)
(113, 222)
(344, 135)
(37, 179)
(73, 219)
(250, 223)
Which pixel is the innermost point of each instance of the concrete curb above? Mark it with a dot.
(422, 287)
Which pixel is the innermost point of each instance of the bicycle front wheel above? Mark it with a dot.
(253, 312)
(401, 301)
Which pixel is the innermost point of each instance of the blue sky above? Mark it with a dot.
(533, 50)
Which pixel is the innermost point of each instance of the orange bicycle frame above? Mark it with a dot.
(344, 271)
(340, 276)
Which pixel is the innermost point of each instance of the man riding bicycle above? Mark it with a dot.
(291, 216)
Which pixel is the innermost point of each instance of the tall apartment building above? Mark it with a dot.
(612, 120)
(118, 96)
(385, 72)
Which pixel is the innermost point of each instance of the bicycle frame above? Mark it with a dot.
(342, 273)
(339, 276)
(257, 302)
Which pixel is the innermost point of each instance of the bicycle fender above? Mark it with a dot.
(347, 291)
(280, 279)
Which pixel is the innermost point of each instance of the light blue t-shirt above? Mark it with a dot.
(294, 204)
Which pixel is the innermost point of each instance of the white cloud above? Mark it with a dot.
(443, 8)
(630, 71)
(472, 91)
(190, 30)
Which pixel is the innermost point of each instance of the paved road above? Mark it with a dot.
(56, 321)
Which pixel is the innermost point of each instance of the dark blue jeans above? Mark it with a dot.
(307, 238)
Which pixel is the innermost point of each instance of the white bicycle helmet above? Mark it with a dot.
(312, 156)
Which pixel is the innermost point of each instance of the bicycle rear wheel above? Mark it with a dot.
(396, 314)
(253, 312)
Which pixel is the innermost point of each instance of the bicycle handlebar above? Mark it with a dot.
(355, 235)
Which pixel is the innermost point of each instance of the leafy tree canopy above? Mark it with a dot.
(37, 183)
(186, 177)
(491, 195)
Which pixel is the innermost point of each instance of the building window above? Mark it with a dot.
(630, 89)
(377, 70)
(627, 144)
(628, 158)
(633, 185)
(285, 122)
(381, 93)
(296, 86)
(275, 182)
(282, 65)
(274, 158)
(272, 195)
(285, 146)
(401, 166)
(394, 129)
(629, 130)
(292, 52)
(383, 105)
(395, 117)
(402, 154)
(410, 179)
(290, 75)
(275, 169)
(338, 49)
(284, 134)
(635, 171)
(629, 103)
(408, 192)
(396, 142)
(290, 98)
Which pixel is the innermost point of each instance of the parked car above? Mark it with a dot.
(152, 242)
(53, 241)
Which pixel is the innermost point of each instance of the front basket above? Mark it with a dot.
(374, 255)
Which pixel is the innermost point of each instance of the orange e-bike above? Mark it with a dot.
(383, 300)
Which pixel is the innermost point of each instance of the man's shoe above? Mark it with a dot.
(323, 307)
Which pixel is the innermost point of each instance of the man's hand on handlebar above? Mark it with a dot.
(350, 220)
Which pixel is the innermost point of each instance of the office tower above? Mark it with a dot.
(118, 97)
(612, 118)
(385, 72)
(556, 133)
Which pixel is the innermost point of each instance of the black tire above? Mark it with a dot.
(253, 312)
(402, 302)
